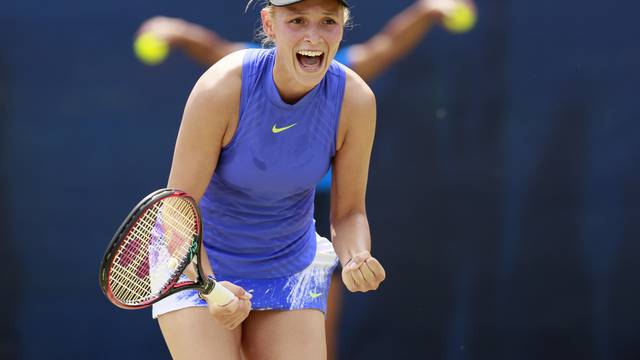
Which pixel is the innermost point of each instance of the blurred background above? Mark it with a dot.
(503, 196)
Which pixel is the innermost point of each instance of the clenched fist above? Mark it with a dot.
(232, 314)
(363, 273)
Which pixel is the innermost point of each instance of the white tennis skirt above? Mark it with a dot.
(307, 289)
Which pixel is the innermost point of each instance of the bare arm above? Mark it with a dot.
(207, 124)
(201, 44)
(211, 109)
(401, 35)
(349, 224)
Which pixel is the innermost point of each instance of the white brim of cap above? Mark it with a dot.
(289, 2)
(284, 2)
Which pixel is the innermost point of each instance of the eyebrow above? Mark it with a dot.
(302, 12)
(326, 13)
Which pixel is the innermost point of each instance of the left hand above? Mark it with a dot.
(363, 273)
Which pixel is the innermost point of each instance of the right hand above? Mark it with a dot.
(165, 28)
(234, 313)
(438, 9)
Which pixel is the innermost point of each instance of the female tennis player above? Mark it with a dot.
(260, 129)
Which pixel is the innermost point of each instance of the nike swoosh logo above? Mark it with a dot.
(276, 129)
(315, 295)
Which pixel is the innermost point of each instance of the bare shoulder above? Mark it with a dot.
(223, 79)
(214, 102)
(358, 114)
(357, 93)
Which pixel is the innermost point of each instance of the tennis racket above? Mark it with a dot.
(161, 236)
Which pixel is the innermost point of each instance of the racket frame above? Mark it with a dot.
(204, 285)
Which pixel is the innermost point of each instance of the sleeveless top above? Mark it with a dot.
(258, 207)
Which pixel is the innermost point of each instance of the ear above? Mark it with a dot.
(267, 23)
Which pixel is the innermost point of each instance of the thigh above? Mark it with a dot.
(192, 333)
(284, 335)
(334, 312)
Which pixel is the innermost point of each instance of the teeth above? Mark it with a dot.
(309, 53)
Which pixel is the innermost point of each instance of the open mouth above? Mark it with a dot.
(310, 60)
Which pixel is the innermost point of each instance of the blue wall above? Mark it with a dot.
(503, 195)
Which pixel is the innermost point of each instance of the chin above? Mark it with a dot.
(310, 78)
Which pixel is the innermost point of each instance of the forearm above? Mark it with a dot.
(407, 28)
(206, 264)
(401, 35)
(202, 44)
(350, 235)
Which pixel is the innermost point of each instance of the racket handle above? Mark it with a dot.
(219, 295)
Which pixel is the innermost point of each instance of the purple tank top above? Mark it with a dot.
(258, 208)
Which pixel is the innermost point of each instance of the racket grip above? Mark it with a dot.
(219, 295)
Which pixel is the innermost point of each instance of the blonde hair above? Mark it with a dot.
(267, 41)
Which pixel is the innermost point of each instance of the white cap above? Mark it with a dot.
(289, 2)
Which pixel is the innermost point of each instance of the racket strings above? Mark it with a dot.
(152, 251)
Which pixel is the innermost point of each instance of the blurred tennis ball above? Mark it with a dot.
(461, 19)
(150, 50)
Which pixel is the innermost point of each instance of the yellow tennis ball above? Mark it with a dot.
(150, 50)
(461, 19)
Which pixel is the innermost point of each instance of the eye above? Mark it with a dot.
(330, 22)
(296, 21)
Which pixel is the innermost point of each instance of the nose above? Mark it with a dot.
(312, 35)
